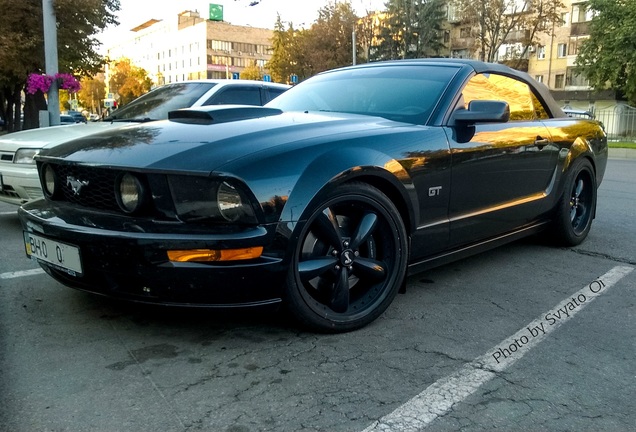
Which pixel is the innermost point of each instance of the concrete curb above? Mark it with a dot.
(622, 153)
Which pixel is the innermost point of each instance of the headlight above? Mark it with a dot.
(130, 193)
(229, 202)
(25, 156)
(209, 199)
(48, 180)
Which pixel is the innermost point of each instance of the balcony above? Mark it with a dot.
(580, 29)
(518, 36)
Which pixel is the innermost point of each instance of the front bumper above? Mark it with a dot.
(19, 183)
(129, 260)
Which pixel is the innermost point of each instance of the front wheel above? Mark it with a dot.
(575, 210)
(349, 260)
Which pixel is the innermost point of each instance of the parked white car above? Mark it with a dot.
(19, 181)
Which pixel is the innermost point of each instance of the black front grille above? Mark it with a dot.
(88, 186)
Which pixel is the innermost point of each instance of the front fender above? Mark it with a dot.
(343, 165)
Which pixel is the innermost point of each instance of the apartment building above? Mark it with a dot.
(191, 47)
(550, 59)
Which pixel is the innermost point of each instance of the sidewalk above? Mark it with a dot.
(622, 153)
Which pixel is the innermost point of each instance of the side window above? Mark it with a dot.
(236, 95)
(273, 93)
(523, 103)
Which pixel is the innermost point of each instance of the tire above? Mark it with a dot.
(577, 206)
(348, 261)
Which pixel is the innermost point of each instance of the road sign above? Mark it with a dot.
(267, 78)
(235, 75)
(294, 79)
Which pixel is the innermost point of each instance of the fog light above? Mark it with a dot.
(48, 175)
(130, 193)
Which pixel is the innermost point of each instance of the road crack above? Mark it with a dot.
(604, 256)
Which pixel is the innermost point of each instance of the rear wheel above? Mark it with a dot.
(576, 207)
(349, 260)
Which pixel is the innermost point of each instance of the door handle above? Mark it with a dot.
(541, 142)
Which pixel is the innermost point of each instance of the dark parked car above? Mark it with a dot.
(324, 199)
(68, 120)
(77, 116)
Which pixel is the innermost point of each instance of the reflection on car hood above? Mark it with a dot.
(166, 145)
(38, 138)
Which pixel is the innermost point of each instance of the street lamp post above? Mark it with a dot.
(50, 58)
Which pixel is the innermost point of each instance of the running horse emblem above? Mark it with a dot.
(75, 184)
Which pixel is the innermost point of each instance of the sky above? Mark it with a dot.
(239, 12)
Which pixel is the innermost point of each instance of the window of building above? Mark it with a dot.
(581, 13)
(565, 19)
(575, 44)
(541, 52)
(575, 80)
(562, 50)
(538, 78)
(559, 81)
(217, 45)
(464, 32)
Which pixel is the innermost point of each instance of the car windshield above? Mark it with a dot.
(156, 104)
(399, 93)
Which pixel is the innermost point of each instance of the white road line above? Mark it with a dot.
(442, 395)
(15, 212)
(13, 275)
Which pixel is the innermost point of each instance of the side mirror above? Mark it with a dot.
(482, 111)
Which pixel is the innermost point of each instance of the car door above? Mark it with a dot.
(500, 171)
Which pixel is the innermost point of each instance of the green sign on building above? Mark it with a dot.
(216, 12)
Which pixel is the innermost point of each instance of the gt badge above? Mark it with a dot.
(434, 191)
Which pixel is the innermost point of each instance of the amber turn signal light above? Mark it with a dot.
(211, 255)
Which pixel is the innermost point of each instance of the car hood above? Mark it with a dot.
(176, 146)
(38, 138)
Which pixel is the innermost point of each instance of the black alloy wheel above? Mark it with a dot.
(576, 208)
(349, 260)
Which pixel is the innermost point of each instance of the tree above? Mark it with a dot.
(328, 44)
(367, 31)
(285, 52)
(128, 81)
(22, 46)
(92, 93)
(499, 22)
(252, 72)
(412, 29)
(608, 58)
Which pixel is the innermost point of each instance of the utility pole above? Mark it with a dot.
(353, 43)
(50, 59)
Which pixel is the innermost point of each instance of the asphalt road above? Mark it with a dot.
(501, 340)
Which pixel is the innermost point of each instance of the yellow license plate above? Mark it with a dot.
(62, 256)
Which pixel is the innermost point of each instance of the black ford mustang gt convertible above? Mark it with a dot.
(325, 199)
